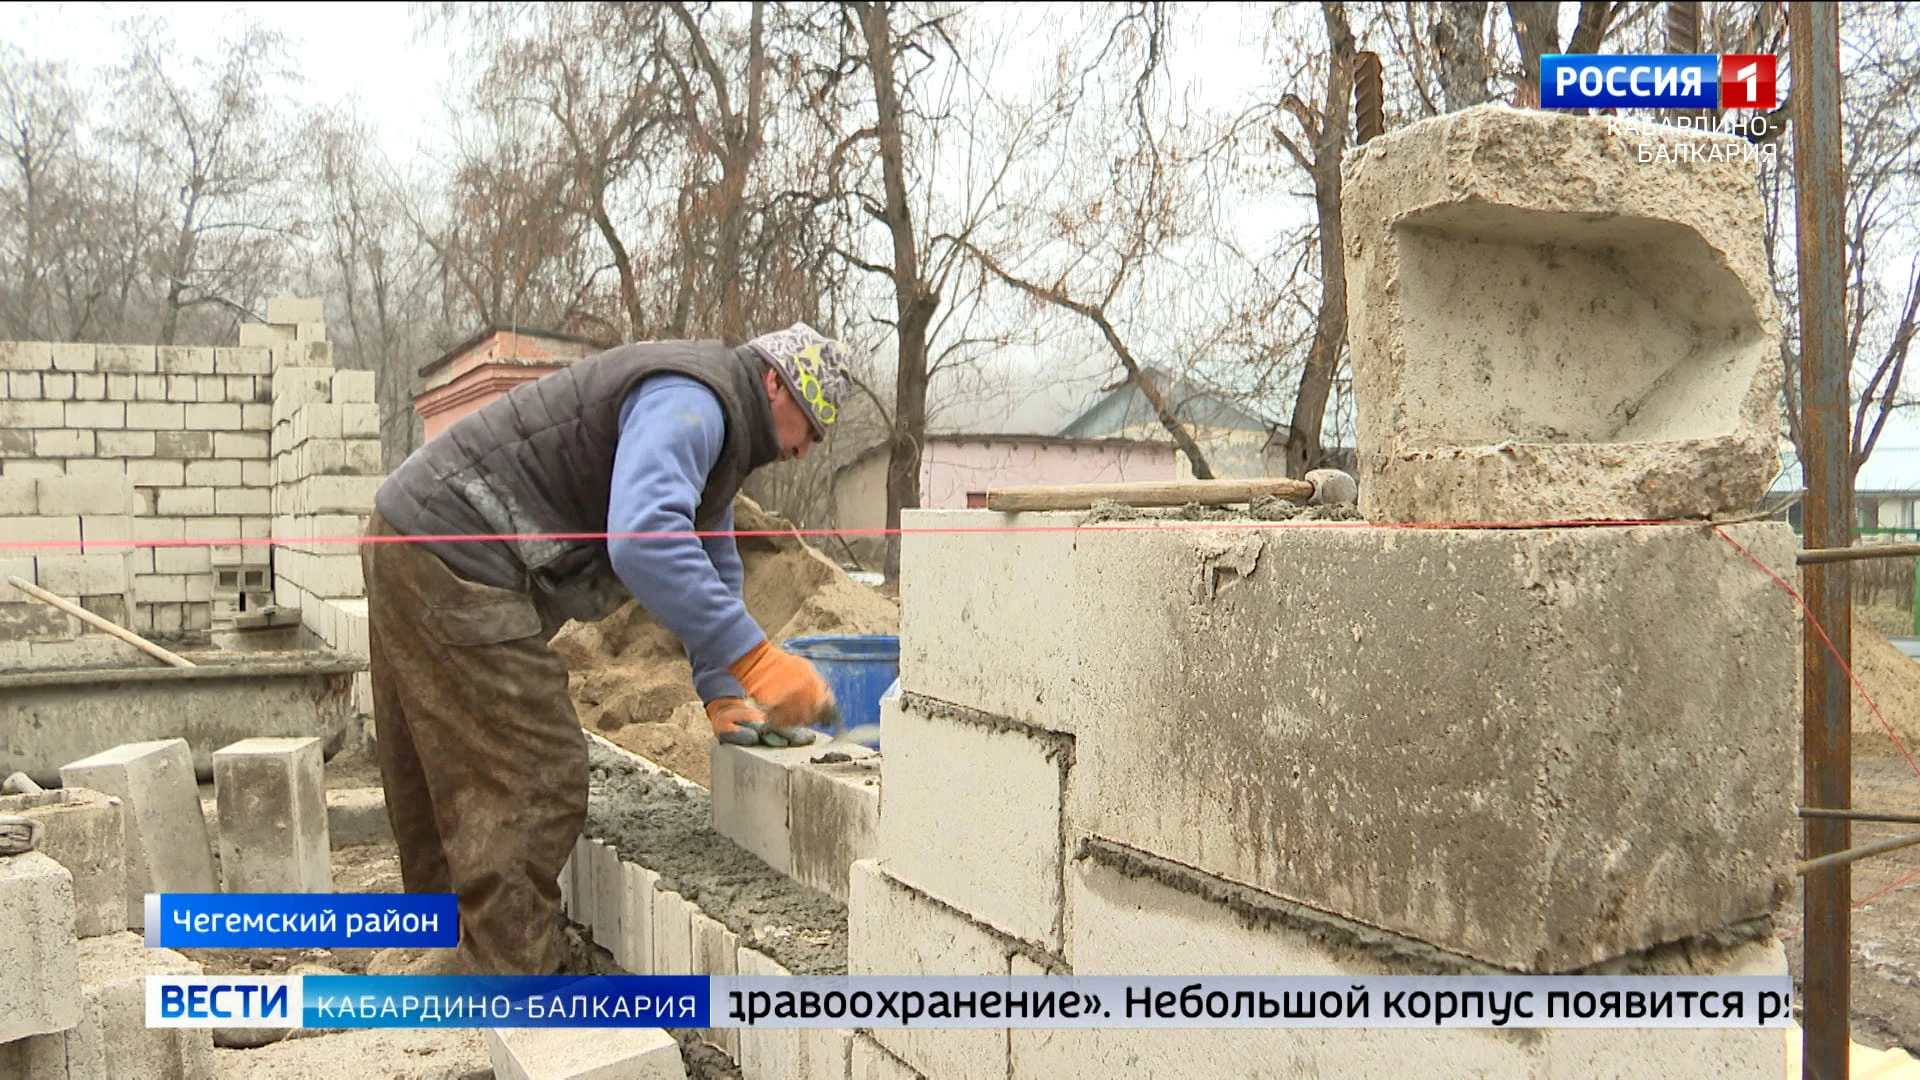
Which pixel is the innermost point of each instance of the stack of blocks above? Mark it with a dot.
(1375, 750)
(73, 1004)
(263, 442)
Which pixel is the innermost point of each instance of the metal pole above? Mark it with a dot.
(1819, 201)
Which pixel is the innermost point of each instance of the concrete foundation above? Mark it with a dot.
(166, 834)
(84, 833)
(1545, 327)
(67, 715)
(273, 816)
(40, 993)
(584, 1054)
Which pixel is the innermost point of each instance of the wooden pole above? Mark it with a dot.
(108, 625)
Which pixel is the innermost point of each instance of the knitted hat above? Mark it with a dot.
(813, 366)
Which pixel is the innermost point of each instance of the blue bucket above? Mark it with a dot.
(858, 668)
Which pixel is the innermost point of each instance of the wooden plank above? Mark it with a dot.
(108, 625)
(1149, 493)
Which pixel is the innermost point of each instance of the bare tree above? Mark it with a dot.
(219, 140)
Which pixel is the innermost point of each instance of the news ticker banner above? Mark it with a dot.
(699, 1001)
(302, 920)
(1599, 81)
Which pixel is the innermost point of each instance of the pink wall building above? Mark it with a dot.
(489, 364)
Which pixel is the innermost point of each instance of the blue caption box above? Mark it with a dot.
(1592, 81)
(302, 920)
(465, 1001)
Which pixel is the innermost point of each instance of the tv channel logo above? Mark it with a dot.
(1593, 81)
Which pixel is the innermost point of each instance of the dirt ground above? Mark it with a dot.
(1886, 950)
(630, 679)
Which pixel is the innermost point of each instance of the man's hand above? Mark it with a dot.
(791, 691)
(736, 721)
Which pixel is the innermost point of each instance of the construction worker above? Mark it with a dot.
(483, 760)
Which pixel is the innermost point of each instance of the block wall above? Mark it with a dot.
(227, 462)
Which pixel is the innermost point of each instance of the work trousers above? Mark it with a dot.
(482, 757)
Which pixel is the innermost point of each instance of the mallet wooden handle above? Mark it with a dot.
(1149, 493)
(108, 625)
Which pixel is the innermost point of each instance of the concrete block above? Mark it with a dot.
(240, 390)
(567, 904)
(156, 415)
(23, 385)
(41, 991)
(128, 359)
(19, 497)
(672, 934)
(986, 617)
(185, 445)
(1616, 323)
(122, 388)
(765, 1053)
(180, 560)
(212, 528)
(357, 816)
(31, 620)
(185, 501)
(186, 359)
(256, 473)
(158, 472)
(213, 416)
(122, 444)
(114, 970)
(836, 814)
(242, 500)
(214, 473)
(242, 361)
(64, 443)
(57, 386)
(584, 1054)
(14, 444)
(83, 575)
(360, 420)
(868, 1060)
(39, 1057)
(716, 952)
(580, 893)
(289, 311)
(1002, 868)
(609, 897)
(213, 388)
(749, 786)
(150, 388)
(240, 444)
(59, 533)
(1539, 808)
(29, 467)
(637, 888)
(89, 387)
(895, 929)
(110, 534)
(26, 356)
(263, 335)
(98, 495)
(363, 457)
(297, 387)
(166, 834)
(84, 834)
(353, 386)
(310, 332)
(273, 816)
(73, 357)
(96, 414)
(318, 420)
(183, 389)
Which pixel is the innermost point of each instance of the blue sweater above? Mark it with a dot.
(671, 434)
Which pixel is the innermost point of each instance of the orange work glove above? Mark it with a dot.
(735, 721)
(791, 691)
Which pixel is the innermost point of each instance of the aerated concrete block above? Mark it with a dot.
(835, 809)
(716, 952)
(895, 929)
(83, 834)
(750, 798)
(767, 1053)
(609, 899)
(1000, 865)
(636, 919)
(292, 310)
(1544, 327)
(114, 970)
(986, 617)
(40, 991)
(584, 1054)
(166, 834)
(273, 816)
(1508, 743)
(672, 934)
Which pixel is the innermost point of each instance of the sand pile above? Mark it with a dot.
(630, 678)
(1894, 681)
